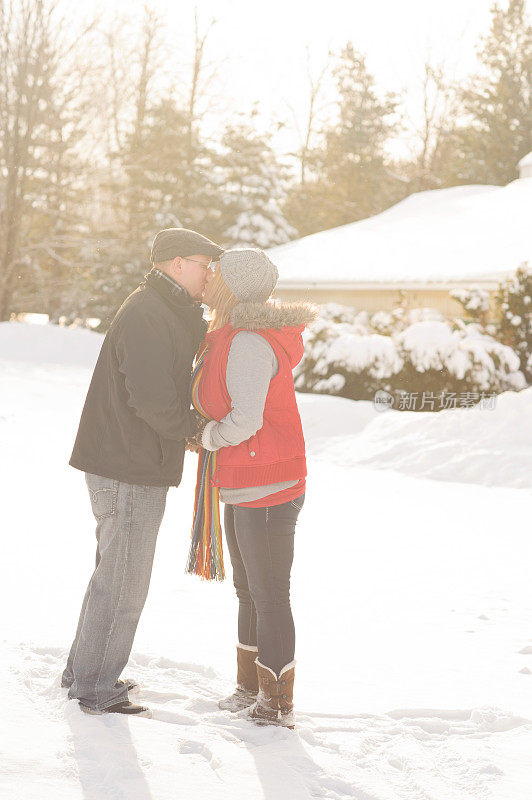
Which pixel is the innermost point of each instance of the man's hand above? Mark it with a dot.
(193, 443)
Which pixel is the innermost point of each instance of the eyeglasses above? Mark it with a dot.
(210, 265)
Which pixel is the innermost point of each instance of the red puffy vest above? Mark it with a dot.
(277, 451)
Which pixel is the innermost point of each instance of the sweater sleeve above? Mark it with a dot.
(251, 365)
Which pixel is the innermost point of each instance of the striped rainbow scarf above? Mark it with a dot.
(205, 557)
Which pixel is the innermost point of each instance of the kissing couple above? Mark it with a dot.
(166, 381)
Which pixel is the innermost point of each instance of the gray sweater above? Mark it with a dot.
(251, 365)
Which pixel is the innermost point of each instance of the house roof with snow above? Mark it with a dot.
(454, 235)
(526, 161)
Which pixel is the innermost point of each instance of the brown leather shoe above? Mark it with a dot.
(247, 681)
(275, 705)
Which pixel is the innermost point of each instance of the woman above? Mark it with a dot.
(243, 384)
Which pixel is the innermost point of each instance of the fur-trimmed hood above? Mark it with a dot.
(284, 323)
(272, 314)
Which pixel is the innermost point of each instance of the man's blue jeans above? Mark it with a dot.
(261, 546)
(128, 518)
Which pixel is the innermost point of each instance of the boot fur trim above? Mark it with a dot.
(287, 667)
(284, 669)
(248, 647)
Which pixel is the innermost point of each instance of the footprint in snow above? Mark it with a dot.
(190, 747)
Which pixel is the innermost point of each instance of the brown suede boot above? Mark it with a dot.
(275, 705)
(247, 681)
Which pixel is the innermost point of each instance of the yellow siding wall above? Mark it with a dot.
(382, 299)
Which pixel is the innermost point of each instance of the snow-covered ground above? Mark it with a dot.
(458, 233)
(411, 595)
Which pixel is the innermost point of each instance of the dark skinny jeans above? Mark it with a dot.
(261, 546)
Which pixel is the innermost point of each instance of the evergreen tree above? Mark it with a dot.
(497, 103)
(170, 180)
(348, 175)
(252, 188)
(312, 206)
(353, 159)
(514, 301)
(163, 179)
(153, 161)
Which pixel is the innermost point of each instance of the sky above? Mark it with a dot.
(262, 47)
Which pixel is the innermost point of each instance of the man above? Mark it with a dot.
(130, 444)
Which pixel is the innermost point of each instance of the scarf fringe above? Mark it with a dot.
(205, 556)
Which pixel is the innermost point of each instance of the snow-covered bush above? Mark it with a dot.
(414, 351)
(475, 302)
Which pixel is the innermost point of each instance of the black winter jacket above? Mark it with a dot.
(137, 410)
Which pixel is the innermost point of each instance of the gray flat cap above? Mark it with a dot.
(172, 242)
(249, 274)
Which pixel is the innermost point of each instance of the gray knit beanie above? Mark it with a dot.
(249, 274)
